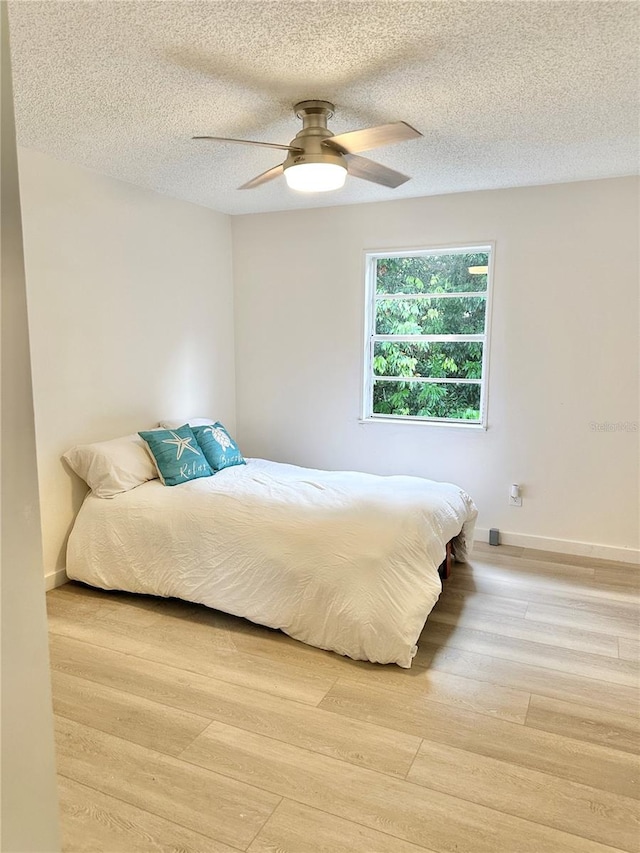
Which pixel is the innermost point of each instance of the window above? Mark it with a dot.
(426, 335)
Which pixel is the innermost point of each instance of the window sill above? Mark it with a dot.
(423, 422)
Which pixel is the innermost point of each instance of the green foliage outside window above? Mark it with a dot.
(420, 278)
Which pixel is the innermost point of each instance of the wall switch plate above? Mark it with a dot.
(515, 501)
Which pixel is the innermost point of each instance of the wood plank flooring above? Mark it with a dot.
(180, 728)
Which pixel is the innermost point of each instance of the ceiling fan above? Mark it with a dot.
(318, 161)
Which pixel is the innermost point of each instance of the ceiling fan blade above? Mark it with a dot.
(269, 175)
(372, 137)
(361, 167)
(250, 142)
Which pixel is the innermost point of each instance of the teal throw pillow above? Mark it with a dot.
(177, 455)
(219, 448)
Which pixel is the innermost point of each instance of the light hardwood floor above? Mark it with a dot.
(516, 731)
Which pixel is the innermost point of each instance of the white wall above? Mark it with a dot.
(29, 813)
(130, 300)
(564, 353)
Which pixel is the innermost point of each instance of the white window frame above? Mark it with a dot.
(370, 263)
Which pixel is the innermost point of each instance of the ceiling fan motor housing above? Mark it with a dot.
(310, 139)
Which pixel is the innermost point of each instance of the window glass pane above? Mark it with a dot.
(427, 400)
(453, 316)
(435, 360)
(433, 274)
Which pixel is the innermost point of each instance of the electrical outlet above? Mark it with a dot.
(515, 498)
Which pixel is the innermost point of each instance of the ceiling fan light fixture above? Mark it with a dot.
(318, 161)
(315, 177)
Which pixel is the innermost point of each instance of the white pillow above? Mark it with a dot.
(112, 467)
(193, 422)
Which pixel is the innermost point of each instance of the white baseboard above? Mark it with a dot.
(54, 579)
(564, 546)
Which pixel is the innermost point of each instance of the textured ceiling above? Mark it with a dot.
(506, 94)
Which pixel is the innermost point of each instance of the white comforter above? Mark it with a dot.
(340, 560)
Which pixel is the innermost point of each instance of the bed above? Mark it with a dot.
(343, 561)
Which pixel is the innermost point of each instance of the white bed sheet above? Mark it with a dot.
(340, 560)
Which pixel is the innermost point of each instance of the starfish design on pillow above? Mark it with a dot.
(182, 444)
(220, 436)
